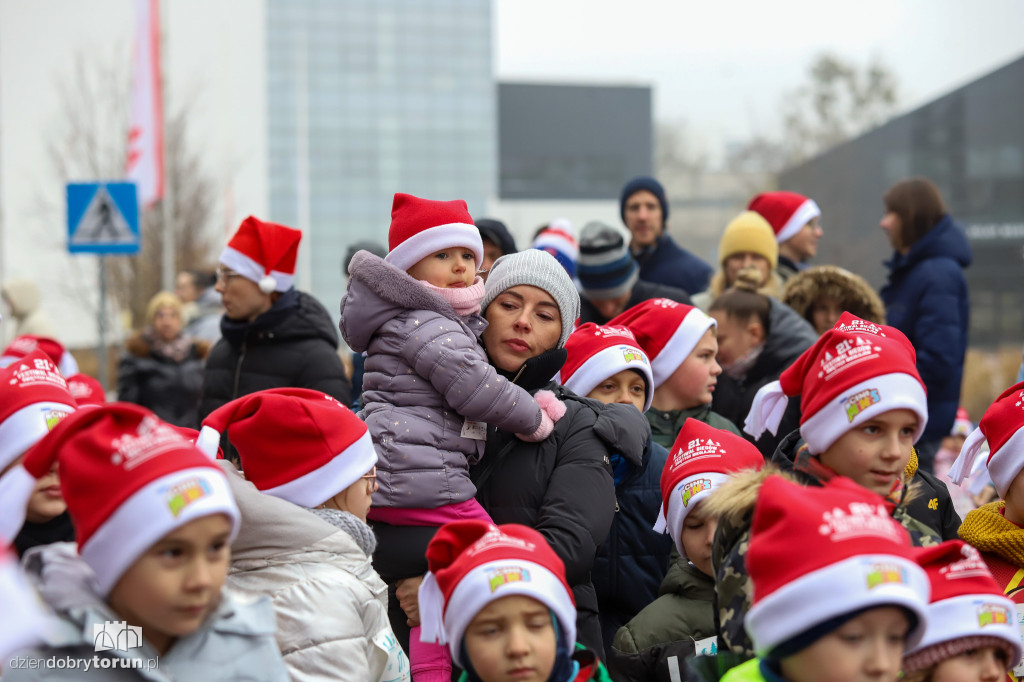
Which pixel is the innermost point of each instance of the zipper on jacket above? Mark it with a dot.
(238, 369)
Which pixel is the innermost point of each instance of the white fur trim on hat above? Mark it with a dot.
(807, 212)
(255, 272)
(684, 340)
(972, 615)
(766, 410)
(318, 486)
(16, 487)
(27, 426)
(555, 239)
(680, 504)
(607, 363)
(1005, 463)
(435, 239)
(152, 512)
(862, 402)
(842, 587)
(505, 578)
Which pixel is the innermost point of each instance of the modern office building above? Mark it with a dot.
(971, 144)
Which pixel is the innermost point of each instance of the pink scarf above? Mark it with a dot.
(465, 300)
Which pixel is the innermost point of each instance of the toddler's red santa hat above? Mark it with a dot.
(701, 460)
(967, 609)
(786, 212)
(296, 444)
(86, 390)
(1003, 427)
(668, 332)
(962, 425)
(856, 371)
(25, 344)
(128, 480)
(473, 563)
(596, 353)
(34, 398)
(818, 554)
(24, 623)
(422, 227)
(264, 253)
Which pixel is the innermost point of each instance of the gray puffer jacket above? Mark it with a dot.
(425, 375)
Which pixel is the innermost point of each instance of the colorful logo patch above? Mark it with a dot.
(886, 574)
(694, 487)
(185, 493)
(858, 402)
(499, 577)
(54, 417)
(993, 614)
(632, 355)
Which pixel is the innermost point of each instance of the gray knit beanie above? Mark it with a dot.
(537, 269)
(606, 269)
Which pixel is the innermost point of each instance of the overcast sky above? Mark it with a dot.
(723, 67)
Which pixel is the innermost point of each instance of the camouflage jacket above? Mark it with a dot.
(734, 506)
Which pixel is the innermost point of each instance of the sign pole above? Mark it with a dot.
(104, 369)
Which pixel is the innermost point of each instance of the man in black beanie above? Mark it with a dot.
(644, 210)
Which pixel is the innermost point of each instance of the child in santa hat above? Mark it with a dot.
(997, 528)
(497, 596)
(34, 398)
(837, 592)
(429, 392)
(154, 518)
(972, 631)
(681, 621)
(863, 406)
(796, 222)
(681, 342)
(308, 474)
(607, 364)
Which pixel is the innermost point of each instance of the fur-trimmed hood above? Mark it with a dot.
(137, 345)
(735, 498)
(852, 291)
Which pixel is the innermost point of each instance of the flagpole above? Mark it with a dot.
(169, 244)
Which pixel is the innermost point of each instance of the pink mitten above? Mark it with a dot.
(551, 410)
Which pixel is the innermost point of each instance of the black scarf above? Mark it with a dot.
(236, 331)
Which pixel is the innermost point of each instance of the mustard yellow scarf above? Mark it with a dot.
(989, 531)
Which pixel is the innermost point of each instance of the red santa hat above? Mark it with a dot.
(25, 622)
(86, 390)
(668, 332)
(34, 398)
(473, 563)
(854, 372)
(296, 444)
(1003, 427)
(264, 253)
(422, 227)
(817, 554)
(700, 460)
(786, 212)
(559, 240)
(596, 353)
(967, 609)
(962, 425)
(25, 344)
(128, 480)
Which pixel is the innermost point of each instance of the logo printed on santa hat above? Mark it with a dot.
(607, 332)
(971, 566)
(630, 355)
(993, 614)
(41, 371)
(152, 438)
(505, 575)
(181, 495)
(860, 520)
(666, 303)
(697, 449)
(859, 326)
(860, 401)
(694, 487)
(52, 417)
(886, 573)
(845, 354)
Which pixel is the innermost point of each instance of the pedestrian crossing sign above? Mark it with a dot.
(103, 217)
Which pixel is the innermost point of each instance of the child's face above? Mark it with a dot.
(736, 338)
(512, 638)
(875, 453)
(627, 387)
(171, 589)
(448, 269)
(696, 537)
(865, 649)
(693, 382)
(985, 664)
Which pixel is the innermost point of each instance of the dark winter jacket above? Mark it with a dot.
(166, 386)
(733, 504)
(788, 268)
(57, 529)
(632, 562)
(932, 505)
(668, 628)
(425, 376)
(789, 335)
(292, 344)
(926, 299)
(642, 291)
(665, 262)
(562, 487)
(665, 426)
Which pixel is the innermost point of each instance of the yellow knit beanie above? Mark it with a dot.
(749, 233)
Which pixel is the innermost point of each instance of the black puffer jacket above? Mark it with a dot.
(562, 487)
(789, 335)
(292, 344)
(168, 387)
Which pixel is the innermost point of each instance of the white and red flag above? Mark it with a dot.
(145, 163)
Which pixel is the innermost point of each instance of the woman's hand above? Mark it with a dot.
(408, 593)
